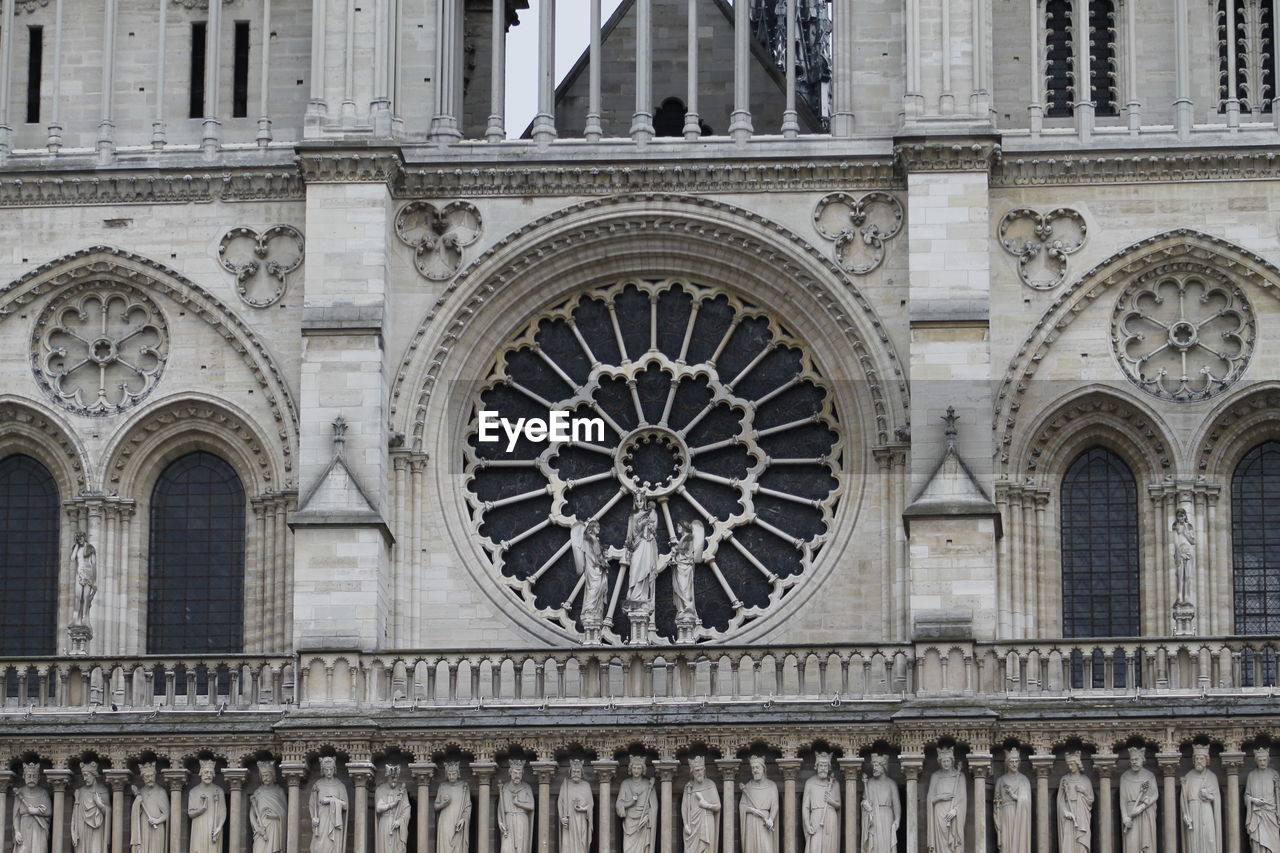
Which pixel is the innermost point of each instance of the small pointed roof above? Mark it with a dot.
(952, 490)
(337, 499)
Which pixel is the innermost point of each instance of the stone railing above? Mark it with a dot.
(1007, 671)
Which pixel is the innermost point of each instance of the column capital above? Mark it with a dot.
(293, 772)
(604, 769)
(544, 770)
(116, 778)
(850, 765)
(789, 767)
(236, 777)
(1043, 764)
(911, 763)
(1105, 763)
(6, 777)
(422, 771)
(666, 768)
(728, 767)
(484, 769)
(59, 779)
(980, 764)
(1232, 761)
(174, 778)
(360, 772)
(1169, 762)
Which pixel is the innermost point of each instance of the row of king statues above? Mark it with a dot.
(1199, 808)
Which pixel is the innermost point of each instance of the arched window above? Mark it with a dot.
(195, 595)
(1255, 540)
(28, 557)
(1099, 547)
(1062, 61)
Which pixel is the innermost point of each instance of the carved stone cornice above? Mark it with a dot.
(325, 164)
(167, 186)
(1058, 168)
(977, 153)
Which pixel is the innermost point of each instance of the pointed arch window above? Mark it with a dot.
(28, 557)
(1099, 547)
(1255, 540)
(195, 596)
(1067, 35)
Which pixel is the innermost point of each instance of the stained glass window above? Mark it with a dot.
(28, 557)
(1255, 540)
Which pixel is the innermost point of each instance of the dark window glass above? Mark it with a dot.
(196, 107)
(35, 63)
(195, 595)
(1059, 58)
(1102, 56)
(1099, 547)
(240, 72)
(28, 557)
(1255, 540)
(1249, 37)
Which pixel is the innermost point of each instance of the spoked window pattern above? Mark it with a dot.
(1255, 539)
(714, 411)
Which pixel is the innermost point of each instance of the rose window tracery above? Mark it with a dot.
(717, 425)
(100, 348)
(1183, 334)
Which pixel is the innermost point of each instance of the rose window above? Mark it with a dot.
(699, 411)
(1183, 336)
(101, 348)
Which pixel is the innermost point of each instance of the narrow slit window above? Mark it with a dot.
(1248, 40)
(1059, 59)
(240, 72)
(198, 38)
(1102, 57)
(35, 63)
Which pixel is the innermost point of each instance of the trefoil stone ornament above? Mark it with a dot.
(859, 226)
(438, 235)
(254, 257)
(1041, 243)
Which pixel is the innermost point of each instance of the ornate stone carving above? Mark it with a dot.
(101, 348)
(1059, 168)
(637, 805)
(1041, 242)
(391, 805)
(1139, 791)
(971, 154)
(149, 819)
(91, 812)
(280, 183)
(328, 806)
(1075, 808)
(687, 551)
(947, 804)
(27, 5)
(515, 810)
(881, 808)
(438, 235)
(32, 812)
(1200, 805)
(859, 227)
(700, 810)
(207, 810)
(759, 811)
(1183, 549)
(453, 812)
(1011, 803)
(274, 253)
(1261, 820)
(575, 807)
(1183, 335)
(820, 808)
(84, 563)
(268, 808)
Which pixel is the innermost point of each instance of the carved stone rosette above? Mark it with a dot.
(99, 347)
(438, 235)
(859, 227)
(252, 257)
(1041, 242)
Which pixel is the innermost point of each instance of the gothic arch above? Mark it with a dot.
(1233, 428)
(42, 434)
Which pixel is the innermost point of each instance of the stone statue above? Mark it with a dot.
(1139, 791)
(820, 808)
(589, 560)
(575, 807)
(84, 559)
(1261, 794)
(700, 810)
(948, 802)
(453, 812)
(881, 808)
(758, 811)
(268, 806)
(1075, 808)
(328, 806)
(686, 552)
(207, 808)
(91, 812)
(637, 805)
(32, 809)
(1184, 555)
(149, 819)
(641, 556)
(515, 810)
(1012, 801)
(1201, 803)
(391, 805)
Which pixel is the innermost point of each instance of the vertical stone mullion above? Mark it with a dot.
(235, 777)
(292, 773)
(484, 832)
(728, 772)
(980, 765)
(604, 770)
(422, 772)
(1043, 765)
(850, 767)
(790, 767)
(175, 779)
(1105, 764)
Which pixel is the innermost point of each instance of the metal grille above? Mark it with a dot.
(1255, 540)
(28, 557)
(1099, 547)
(195, 598)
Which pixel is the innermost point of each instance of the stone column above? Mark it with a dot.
(235, 777)
(911, 767)
(728, 772)
(360, 772)
(789, 768)
(422, 772)
(116, 780)
(175, 779)
(980, 766)
(666, 771)
(484, 771)
(6, 776)
(59, 780)
(1105, 764)
(604, 817)
(1169, 762)
(1231, 763)
(1043, 765)
(292, 774)
(850, 767)
(545, 771)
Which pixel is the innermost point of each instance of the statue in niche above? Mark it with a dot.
(686, 552)
(758, 810)
(84, 559)
(149, 819)
(391, 805)
(1013, 806)
(641, 555)
(1184, 555)
(1261, 795)
(820, 808)
(1139, 791)
(1075, 808)
(515, 810)
(32, 809)
(90, 812)
(328, 806)
(575, 807)
(637, 805)
(207, 808)
(453, 812)
(700, 810)
(268, 806)
(1201, 803)
(881, 808)
(948, 802)
(589, 560)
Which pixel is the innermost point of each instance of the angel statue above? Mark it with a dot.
(686, 552)
(589, 560)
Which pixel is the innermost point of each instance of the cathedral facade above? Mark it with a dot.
(839, 426)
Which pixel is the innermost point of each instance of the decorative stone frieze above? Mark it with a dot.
(324, 165)
(109, 187)
(253, 257)
(859, 227)
(1071, 168)
(438, 235)
(1041, 242)
(962, 154)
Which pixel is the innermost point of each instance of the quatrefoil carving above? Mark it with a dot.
(274, 254)
(859, 227)
(438, 235)
(1041, 243)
